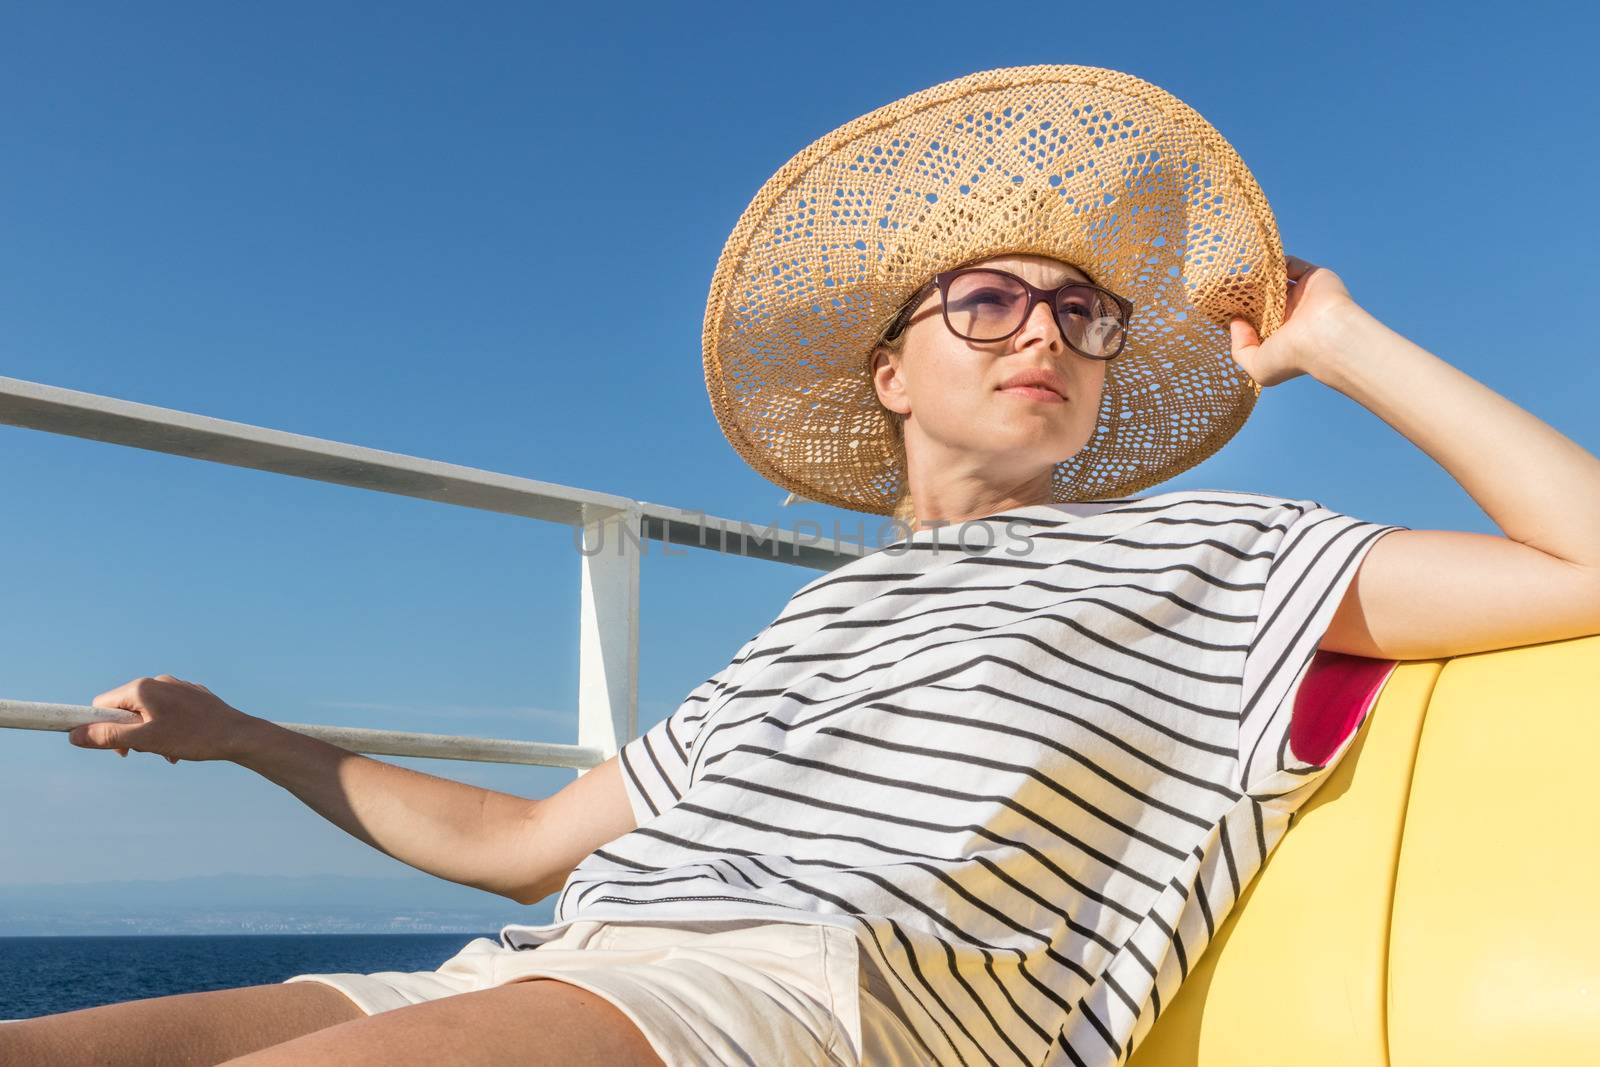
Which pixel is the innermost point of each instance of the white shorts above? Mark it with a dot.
(736, 992)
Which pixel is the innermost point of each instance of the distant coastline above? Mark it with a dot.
(258, 904)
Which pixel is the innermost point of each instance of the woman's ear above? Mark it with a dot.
(886, 379)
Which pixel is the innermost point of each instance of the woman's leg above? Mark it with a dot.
(185, 1030)
(530, 1022)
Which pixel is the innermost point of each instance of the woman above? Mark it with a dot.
(982, 796)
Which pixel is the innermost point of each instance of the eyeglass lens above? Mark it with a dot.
(988, 306)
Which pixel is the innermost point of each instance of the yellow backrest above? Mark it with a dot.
(1438, 899)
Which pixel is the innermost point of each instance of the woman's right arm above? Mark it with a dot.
(459, 832)
(517, 847)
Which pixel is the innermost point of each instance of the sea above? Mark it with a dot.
(44, 975)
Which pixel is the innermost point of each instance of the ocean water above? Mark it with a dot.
(44, 975)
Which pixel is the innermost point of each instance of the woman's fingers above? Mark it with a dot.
(1299, 271)
(183, 681)
(1242, 334)
(1298, 268)
(103, 735)
(127, 697)
(172, 718)
(106, 735)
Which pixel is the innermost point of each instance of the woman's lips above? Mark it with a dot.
(1036, 392)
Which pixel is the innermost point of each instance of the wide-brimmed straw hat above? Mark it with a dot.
(1093, 167)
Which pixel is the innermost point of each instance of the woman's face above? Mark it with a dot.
(960, 421)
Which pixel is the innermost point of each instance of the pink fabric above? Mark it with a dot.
(1336, 692)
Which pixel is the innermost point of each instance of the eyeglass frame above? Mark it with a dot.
(1036, 295)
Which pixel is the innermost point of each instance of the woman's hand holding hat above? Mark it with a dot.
(1313, 320)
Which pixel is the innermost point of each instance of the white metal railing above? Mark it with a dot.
(608, 656)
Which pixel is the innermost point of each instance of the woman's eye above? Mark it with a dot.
(1075, 309)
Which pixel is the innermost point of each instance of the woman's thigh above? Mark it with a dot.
(184, 1030)
(529, 1022)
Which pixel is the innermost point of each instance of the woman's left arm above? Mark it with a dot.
(1425, 594)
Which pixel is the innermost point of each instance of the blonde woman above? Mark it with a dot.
(982, 796)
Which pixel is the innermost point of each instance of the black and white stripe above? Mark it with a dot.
(1030, 762)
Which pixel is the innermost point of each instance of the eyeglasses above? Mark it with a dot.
(985, 304)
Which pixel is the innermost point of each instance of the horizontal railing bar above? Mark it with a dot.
(33, 405)
(30, 715)
(822, 549)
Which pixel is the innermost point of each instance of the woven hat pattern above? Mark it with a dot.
(1093, 167)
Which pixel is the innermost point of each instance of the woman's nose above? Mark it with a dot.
(1042, 319)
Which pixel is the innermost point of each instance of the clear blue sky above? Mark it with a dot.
(401, 226)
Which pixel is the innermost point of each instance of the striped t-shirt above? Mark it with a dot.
(1030, 761)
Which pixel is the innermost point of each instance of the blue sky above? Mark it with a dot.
(404, 226)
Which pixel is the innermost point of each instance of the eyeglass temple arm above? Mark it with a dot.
(899, 321)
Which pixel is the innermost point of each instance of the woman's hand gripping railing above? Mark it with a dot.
(459, 832)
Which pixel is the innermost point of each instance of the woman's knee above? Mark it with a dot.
(183, 1029)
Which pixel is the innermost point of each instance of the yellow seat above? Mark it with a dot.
(1438, 899)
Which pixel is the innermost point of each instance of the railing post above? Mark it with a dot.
(608, 628)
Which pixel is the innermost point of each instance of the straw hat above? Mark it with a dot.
(1093, 167)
